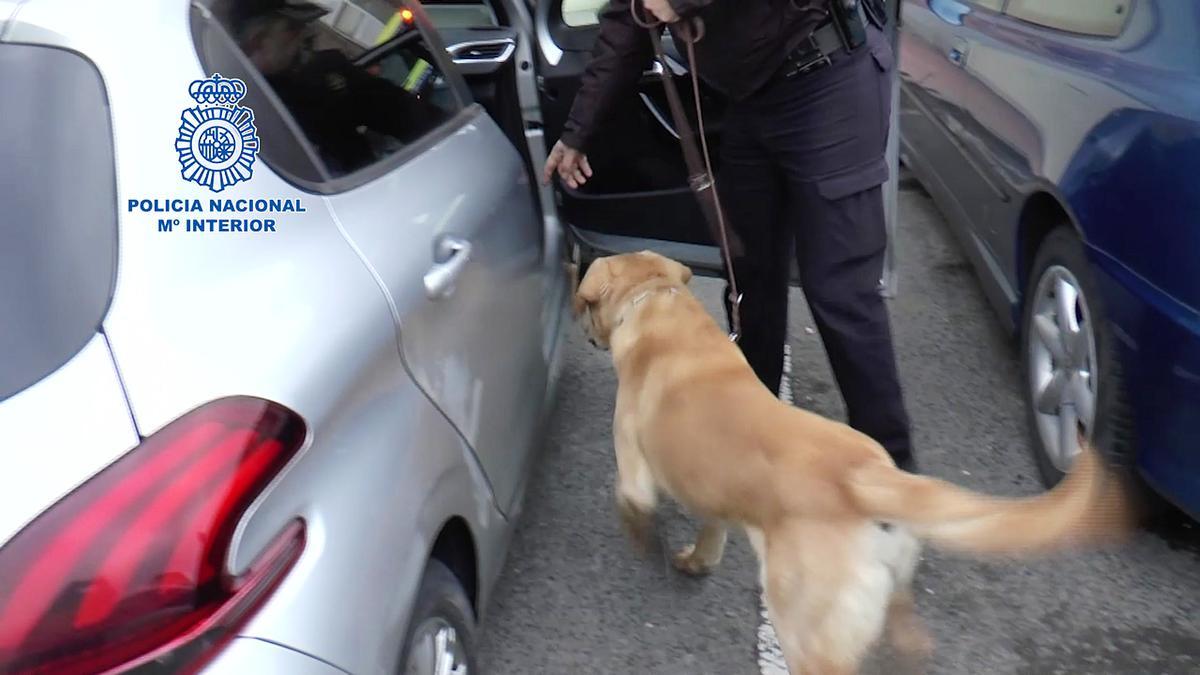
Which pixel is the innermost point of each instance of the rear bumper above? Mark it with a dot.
(1159, 344)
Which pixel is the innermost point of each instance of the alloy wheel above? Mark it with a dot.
(436, 650)
(1062, 376)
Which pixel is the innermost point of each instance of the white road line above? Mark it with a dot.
(770, 656)
(785, 383)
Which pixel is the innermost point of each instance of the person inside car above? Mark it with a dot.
(344, 109)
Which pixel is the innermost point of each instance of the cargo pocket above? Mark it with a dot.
(844, 185)
(885, 60)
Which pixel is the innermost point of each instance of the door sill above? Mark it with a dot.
(705, 261)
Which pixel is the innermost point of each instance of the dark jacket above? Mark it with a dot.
(744, 44)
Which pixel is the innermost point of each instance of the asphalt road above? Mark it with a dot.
(575, 599)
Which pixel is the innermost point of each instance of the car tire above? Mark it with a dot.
(441, 630)
(1078, 368)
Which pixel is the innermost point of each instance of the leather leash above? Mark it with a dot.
(700, 174)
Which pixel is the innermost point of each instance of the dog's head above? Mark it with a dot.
(610, 281)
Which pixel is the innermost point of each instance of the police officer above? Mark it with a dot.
(801, 172)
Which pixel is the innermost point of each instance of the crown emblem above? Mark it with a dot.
(217, 90)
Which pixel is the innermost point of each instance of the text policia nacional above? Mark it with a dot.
(198, 213)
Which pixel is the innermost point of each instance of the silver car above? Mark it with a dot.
(281, 302)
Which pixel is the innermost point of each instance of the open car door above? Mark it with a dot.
(638, 196)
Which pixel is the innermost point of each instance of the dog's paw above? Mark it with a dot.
(638, 525)
(689, 563)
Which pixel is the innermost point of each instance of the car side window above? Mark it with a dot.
(359, 80)
(1098, 18)
(281, 144)
(578, 13)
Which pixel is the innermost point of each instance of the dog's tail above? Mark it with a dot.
(1090, 506)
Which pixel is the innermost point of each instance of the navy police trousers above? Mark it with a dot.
(802, 168)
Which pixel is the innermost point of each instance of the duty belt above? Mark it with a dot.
(813, 53)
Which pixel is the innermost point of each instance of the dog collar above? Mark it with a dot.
(637, 300)
(647, 293)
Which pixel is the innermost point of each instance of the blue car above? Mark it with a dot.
(1061, 138)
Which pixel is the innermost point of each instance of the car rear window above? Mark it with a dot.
(58, 210)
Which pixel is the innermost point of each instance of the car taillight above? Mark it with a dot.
(128, 568)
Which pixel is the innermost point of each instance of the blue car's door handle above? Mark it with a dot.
(958, 52)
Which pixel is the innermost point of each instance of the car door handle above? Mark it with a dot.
(451, 254)
(482, 57)
(958, 52)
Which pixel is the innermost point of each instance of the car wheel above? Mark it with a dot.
(1072, 376)
(441, 632)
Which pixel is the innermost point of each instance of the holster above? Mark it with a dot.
(850, 19)
(877, 12)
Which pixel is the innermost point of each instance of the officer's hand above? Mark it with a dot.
(572, 166)
(662, 10)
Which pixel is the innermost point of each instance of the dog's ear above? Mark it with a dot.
(681, 272)
(594, 286)
(670, 268)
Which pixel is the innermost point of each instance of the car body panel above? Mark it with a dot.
(1160, 347)
(249, 655)
(517, 15)
(1108, 129)
(59, 432)
(476, 190)
(299, 316)
(394, 470)
(932, 128)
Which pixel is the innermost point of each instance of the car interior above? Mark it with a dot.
(639, 169)
(638, 196)
(481, 41)
(639, 185)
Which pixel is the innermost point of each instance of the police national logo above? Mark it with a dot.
(217, 145)
(217, 141)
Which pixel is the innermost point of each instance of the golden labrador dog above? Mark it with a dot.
(836, 526)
